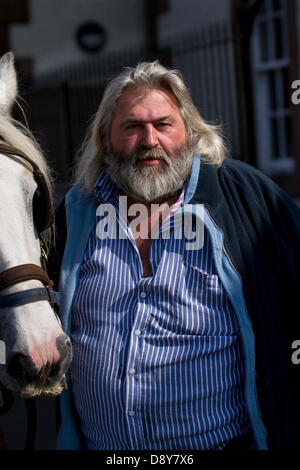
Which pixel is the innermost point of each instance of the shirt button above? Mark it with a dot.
(132, 371)
(131, 413)
(137, 332)
(143, 295)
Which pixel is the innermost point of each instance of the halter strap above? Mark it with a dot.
(23, 272)
(29, 296)
(48, 210)
(16, 152)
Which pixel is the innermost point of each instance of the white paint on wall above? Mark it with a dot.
(49, 37)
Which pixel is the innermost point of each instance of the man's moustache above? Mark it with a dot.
(149, 154)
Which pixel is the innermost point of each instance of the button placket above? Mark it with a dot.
(133, 387)
(133, 361)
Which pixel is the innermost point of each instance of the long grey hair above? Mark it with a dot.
(205, 138)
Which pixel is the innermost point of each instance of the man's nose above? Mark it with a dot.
(149, 136)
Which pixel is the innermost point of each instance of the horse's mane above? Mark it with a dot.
(17, 135)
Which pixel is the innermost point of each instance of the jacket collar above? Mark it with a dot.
(203, 186)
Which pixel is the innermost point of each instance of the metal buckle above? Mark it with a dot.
(52, 299)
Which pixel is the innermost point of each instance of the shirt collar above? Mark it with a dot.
(105, 189)
(190, 184)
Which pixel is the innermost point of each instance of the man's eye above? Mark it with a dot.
(162, 124)
(132, 126)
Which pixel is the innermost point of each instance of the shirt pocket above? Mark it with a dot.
(197, 305)
(200, 285)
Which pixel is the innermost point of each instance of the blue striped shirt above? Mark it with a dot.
(157, 361)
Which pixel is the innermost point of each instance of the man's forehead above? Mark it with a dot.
(132, 96)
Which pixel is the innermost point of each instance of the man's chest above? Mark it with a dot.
(143, 246)
(156, 276)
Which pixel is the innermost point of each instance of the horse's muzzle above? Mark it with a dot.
(22, 369)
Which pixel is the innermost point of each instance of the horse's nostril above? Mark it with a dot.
(21, 367)
(64, 346)
(54, 371)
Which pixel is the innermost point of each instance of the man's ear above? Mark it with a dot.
(8, 83)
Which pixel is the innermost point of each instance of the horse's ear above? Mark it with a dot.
(8, 83)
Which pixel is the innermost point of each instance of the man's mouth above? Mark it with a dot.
(149, 161)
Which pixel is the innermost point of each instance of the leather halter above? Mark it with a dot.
(43, 220)
(45, 216)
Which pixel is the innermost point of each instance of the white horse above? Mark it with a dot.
(34, 351)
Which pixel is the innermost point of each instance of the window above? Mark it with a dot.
(271, 89)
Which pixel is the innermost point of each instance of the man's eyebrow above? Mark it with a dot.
(133, 120)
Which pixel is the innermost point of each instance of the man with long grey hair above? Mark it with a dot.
(179, 268)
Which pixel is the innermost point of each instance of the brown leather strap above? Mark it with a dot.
(46, 217)
(23, 272)
(14, 151)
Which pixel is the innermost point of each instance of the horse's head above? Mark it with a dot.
(34, 351)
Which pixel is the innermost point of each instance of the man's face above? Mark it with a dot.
(150, 158)
(144, 122)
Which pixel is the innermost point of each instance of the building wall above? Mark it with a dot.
(49, 37)
(297, 19)
(298, 26)
(297, 113)
(187, 15)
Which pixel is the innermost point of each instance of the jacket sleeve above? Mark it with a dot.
(274, 214)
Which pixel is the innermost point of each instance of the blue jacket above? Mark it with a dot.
(255, 233)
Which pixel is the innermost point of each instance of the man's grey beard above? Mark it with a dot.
(151, 183)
